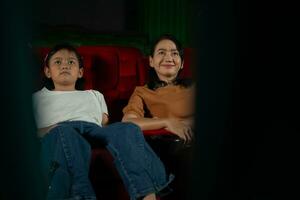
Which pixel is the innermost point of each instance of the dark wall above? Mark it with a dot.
(99, 15)
(133, 17)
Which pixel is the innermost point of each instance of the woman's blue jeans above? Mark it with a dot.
(140, 169)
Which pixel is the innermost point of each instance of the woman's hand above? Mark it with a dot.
(181, 129)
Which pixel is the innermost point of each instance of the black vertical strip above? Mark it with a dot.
(247, 101)
(216, 37)
(20, 170)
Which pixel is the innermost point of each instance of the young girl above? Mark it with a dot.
(66, 115)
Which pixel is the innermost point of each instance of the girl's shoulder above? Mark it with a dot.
(41, 92)
(94, 92)
(91, 91)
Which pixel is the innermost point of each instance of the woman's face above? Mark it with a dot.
(166, 60)
(63, 69)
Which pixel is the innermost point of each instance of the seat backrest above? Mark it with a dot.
(100, 67)
(115, 71)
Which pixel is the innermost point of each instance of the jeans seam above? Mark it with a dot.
(131, 185)
(65, 148)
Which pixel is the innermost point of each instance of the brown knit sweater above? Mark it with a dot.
(165, 102)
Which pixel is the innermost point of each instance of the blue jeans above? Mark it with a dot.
(140, 169)
(65, 157)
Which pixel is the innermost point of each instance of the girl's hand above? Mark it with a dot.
(105, 119)
(179, 128)
(43, 131)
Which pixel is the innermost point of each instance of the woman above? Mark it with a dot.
(167, 102)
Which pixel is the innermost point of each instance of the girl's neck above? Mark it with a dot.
(64, 88)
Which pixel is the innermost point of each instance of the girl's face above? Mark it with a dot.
(63, 69)
(166, 60)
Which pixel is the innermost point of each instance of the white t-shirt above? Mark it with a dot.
(52, 107)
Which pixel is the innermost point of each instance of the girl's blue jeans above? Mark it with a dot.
(66, 156)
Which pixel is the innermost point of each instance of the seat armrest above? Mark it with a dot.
(157, 132)
(162, 134)
(165, 141)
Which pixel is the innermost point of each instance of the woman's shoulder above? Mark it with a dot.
(142, 89)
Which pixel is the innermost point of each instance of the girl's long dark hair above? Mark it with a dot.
(48, 82)
(153, 80)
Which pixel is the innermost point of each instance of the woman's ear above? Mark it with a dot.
(181, 67)
(151, 61)
(47, 72)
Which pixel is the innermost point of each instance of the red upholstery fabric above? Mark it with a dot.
(129, 61)
(101, 67)
(157, 132)
(105, 177)
(188, 63)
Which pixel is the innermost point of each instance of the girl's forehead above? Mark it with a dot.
(64, 53)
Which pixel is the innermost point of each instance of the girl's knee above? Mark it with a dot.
(127, 133)
(128, 126)
(69, 133)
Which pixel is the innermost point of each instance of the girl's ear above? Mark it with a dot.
(47, 72)
(151, 61)
(80, 73)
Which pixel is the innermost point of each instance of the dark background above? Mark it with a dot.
(92, 14)
(247, 101)
(98, 21)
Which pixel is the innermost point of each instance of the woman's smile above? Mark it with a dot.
(167, 66)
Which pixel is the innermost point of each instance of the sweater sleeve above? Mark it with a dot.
(135, 104)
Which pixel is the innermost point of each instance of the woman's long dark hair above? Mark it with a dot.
(154, 82)
(48, 82)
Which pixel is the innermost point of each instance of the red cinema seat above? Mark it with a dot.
(115, 71)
